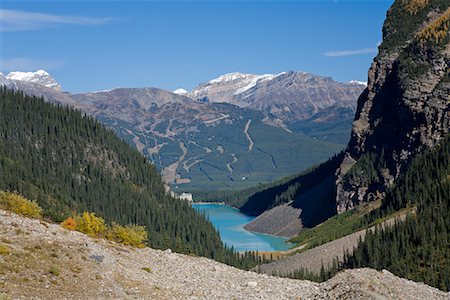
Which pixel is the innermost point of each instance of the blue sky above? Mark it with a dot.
(96, 45)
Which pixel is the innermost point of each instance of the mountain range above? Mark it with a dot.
(382, 202)
(403, 112)
(397, 163)
(229, 133)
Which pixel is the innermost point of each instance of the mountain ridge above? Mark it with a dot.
(164, 125)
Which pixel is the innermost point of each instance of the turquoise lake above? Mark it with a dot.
(230, 223)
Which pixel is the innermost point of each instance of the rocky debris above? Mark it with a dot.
(289, 219)
(282, 220)
(372, 284)
(313, 259)
(323, 255)
(49, 262)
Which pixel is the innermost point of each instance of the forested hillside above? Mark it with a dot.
(418, 248)
(257, 199)
(71, 163)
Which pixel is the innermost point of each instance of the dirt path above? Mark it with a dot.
(223, 116)
(229, 167)
(139, 145)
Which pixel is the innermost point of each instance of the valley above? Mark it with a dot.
(281, 185)
(201, 141)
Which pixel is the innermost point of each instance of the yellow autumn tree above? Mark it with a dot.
(90, 224)
(133, 235)
(20, 205)
(437, 31)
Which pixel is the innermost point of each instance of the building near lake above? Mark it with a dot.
(183, 196)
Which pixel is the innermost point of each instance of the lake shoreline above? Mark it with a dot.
(230, 222)
(218, 203)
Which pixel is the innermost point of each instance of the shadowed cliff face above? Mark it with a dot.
(406, 106)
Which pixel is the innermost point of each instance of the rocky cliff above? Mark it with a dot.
(406, 105)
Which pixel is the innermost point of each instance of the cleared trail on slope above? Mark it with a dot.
(249, 138)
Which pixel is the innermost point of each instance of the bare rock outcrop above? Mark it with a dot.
(406, 106)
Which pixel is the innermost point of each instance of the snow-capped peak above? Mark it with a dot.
(181, 92)
(235, 83)
(40, 77)
(358, 82)
(230, 77)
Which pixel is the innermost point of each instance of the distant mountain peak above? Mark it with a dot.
(243, 76)
(283, 98)
(39, 77)
(233, 83)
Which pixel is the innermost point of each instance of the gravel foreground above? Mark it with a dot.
(46, 261)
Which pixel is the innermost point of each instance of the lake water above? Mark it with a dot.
(230, 223)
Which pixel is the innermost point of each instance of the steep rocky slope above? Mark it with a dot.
(44, 261)
(406, 106)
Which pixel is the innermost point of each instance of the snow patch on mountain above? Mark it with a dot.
(358, 82)
(255, 80)
(181, 91)
(40, 77)
(235, 83)
(230, 77)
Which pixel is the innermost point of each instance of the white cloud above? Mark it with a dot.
(28, 64)
(351, 52)
(14, 20)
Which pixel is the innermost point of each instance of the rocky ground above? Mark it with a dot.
(39, 260)
(313, 259)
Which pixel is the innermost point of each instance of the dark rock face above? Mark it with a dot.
(405, 108)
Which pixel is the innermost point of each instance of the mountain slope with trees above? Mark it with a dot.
(419, 248)
(399, 151)
(405, 108)
(71, 163)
